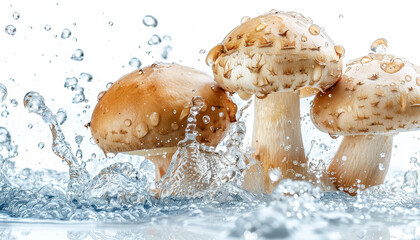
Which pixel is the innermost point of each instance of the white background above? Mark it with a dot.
(39, 61)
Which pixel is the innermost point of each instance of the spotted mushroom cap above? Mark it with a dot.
(148, 109)
(276, 52)
(378, 94)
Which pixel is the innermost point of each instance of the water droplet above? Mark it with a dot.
(127, 122)
(381, 166)
(379, 45)
(47, 28)
(394, 66)
(260, 27)
(134, 62)
(5, 113)
(339, 50)
(167, 38)
(109, 85)
(14, 102)
(30, 126)
(408, 78)
(3, 92)
(206, 119)
(382, 154)
(34, 102)
(100, 95)
(85, 77)
(79, 154)
(174, 126)
(221, 114)
(79, 97)
(71, 83)
(77, 55)
(274, 174)
(340, 16)
(141, 130)
(110, 23)
(16, 15)
(365, 60)
(66, 33)
(202, 51)
(61, 116)
(154, 40)
(154, 119)
(150, 21)
(41, 145)
(304, 38)
(5, 138)
(165, 52)
(343, 158)
(78, 139)
(314, 30)
(10, 29)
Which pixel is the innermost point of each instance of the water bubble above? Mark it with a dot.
(79, 154)
(221, 114)
(382, 154)
(41, 145)
(16, 15)
(100, 95)
(314, 30)
(339, 50)
(154, 40)
(14, 102)
(394, 66)
(206, 119)
(77, 55)
(110, 23)
(274, 174)
(5, 138)
(61, 116)
(71, 83)
(85, 77)
(245, 19)
(5, 113)
(340, 16)
(47, 28)
(167, 38)
(3, 92)
(10, 29)
(66, 33)
(150, 21)
(365, 59)
(30, 126)
(134, 62)
(379, 45)
(79, 97)
(381, 166)
(108, 85)
(165, 52)
(127, 122)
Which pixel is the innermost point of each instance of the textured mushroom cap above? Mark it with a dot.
(148, 109)
(276, 52)
(377, 94)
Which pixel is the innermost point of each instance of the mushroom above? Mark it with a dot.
(274, 56)
(144, 113)
(377, 97)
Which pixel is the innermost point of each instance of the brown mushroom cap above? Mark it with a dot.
(148, 109)
(377, 94)
(276, 52)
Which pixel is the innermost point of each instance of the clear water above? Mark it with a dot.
(117, 199)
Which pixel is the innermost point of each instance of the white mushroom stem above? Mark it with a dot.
(161, 157)
(361, 162)
(277, 138)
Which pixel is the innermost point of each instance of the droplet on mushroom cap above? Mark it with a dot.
(143, 111)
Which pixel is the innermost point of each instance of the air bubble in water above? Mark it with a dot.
(41, 145)
(66, 33)
(16, 15)
(110, 23)
(3, 92)
(47, 28)
(274, 174)
(381, 166)
(5, 138)
(165, 52)
(154, 40)
(85, 77)
(77, 55)
(30, 126)
(11, 30)
(134, 62)
(61, 116)
(150, 21)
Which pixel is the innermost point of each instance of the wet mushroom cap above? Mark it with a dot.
(377, 94)
(148, 109)
(276, 52)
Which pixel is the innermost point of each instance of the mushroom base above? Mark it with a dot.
(277, 138)
(361, 162)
